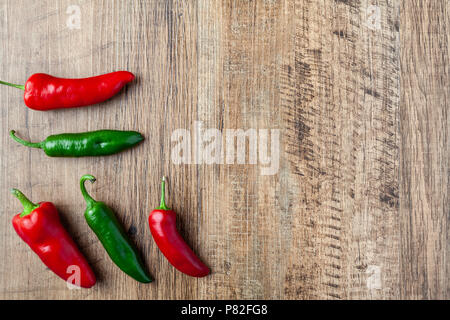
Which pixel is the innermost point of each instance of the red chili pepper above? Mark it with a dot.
(39, 226)
(162, 223)
(45, 92)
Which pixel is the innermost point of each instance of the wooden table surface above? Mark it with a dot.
(358, 206)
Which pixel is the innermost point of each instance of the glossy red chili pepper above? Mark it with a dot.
(39, 226)
(44, 92)
(162, 223)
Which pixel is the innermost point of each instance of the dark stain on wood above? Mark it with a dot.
(340, 33)
(132, 231)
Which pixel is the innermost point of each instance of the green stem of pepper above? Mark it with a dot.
(162, 205)
(18, 86)
(28, 206)
(25, 143)
(89, 200)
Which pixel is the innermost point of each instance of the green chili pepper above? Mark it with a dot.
(94, 143)
(109, 231)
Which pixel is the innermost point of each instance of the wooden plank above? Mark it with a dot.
(424, 207)
(341, 106)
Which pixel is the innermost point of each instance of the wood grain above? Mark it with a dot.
(424, 210)
(358, 208)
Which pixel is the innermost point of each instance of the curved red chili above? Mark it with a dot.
(162, 223)
(44, 92)
(40, 227)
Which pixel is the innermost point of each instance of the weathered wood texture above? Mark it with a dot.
(425, 152)
(358, 89)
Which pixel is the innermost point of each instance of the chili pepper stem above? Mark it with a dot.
(18, 86)
(89, 200)
(12, 133)
(28, 206)
(162, 205)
